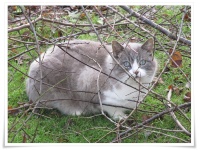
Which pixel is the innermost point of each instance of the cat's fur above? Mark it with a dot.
(71, 86)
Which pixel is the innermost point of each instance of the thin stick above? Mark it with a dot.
(155, 117)
(98, 75)
(38, 47)
(174, 116)
(156, 26)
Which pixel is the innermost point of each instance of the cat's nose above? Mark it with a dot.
(136, 72)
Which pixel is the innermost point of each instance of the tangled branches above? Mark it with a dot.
(164, 115)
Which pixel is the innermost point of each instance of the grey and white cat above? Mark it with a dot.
(72, 77)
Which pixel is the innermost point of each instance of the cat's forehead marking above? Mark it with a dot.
(127, 55)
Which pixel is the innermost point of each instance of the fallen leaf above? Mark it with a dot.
(14, 8)
(145, 117)
(187, 97)
(10, 107)
(187, 17)
(160, 80)
(14, 50)
(12, 111)
(60, 33)
(165, 15)
(25, 56)
(21, 58)
(133, 40)
(82, 16)
(188, 85)
(170, 87)
(177, 59)
(177, 90)
(176, 78)
(24, 138)
(25, 35)
(103, 8)
(46, 15)
(33, 8)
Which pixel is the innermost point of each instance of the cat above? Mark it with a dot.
(80, 74)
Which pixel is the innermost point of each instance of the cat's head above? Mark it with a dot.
(136, 58)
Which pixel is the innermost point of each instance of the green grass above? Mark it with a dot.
(53, 127)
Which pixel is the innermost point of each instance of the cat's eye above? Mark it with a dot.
(142, 62)
(127, 64)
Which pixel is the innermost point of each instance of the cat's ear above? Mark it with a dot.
(148, 45)
(117, 48)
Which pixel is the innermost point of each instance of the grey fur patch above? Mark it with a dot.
(71, 86)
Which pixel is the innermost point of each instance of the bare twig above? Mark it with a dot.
(154, 25)
(25, 25)
(173, 115)
(155, 117)
(136, 29)
(38, 47)
(167, 62)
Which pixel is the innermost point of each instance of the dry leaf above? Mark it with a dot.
(176, 78)
(165, 15)
(145, 117)
(160, 80)
(46, 15)
(82, 16)
(14, 50)
(170, 87)
(14, 8)
(12, 111)
(21, 58)
(10, 107)
(187, 97)
(26, 34)
(177, 58)
(33, 8)
(187, 17)
(133, 40)
(188, 85)
(177, 90)
(59, 33)
(24, 138)
(103, 8)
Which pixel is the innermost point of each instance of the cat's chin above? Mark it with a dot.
(140, 79)
(136, 77)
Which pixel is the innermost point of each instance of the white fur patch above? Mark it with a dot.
(135, 67)
(109, 61)
(121, 96)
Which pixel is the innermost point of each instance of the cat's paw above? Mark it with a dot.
(119, 117)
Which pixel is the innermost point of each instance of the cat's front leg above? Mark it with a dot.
(119, 116)
(115, 112)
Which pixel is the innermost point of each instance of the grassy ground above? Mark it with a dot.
(54, 127)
